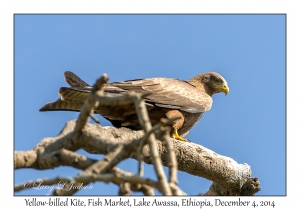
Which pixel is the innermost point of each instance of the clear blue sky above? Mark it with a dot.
(247, 125)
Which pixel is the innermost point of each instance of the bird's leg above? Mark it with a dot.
(177, 124)
(177, 137)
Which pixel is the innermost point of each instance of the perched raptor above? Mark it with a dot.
(169, 98)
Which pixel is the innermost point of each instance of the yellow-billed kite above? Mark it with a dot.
(168, 98)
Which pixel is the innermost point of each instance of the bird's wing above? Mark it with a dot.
(168, 93)
(73, 80)
(165, 92)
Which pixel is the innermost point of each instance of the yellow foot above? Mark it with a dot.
(177, 137)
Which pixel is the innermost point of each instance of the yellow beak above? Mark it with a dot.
(223, 88)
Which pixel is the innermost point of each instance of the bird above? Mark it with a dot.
(185, 100)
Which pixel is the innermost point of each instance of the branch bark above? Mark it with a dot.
(192, 158)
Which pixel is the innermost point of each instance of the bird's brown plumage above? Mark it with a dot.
(169, 98)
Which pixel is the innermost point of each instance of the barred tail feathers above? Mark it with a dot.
(71, 99)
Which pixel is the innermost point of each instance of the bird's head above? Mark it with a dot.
(215, 83)
(212, 83)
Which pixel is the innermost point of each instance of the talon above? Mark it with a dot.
(177, 137)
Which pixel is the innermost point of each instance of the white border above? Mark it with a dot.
(9, 8)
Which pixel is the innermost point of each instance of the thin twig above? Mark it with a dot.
(172, 162)
(146, 189)
(140, 154)
(89, 104)
(108, 162)
(141, 163)
(101, 166)
(176, 190)
(145, 122)
(95, 119)
(124, 189)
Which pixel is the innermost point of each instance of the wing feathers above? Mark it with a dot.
(74, 94)
(165, 92)
(169, 93)
(73, 80)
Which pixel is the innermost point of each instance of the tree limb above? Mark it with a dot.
(192, 158)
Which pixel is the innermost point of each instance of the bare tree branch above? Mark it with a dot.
(89, 104)
(192, 158)
(172, 162)
(145, 122)
(124, 189)
(146, 189)
(68, 158)
(163, 122)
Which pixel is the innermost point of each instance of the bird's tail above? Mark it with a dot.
(72, 98)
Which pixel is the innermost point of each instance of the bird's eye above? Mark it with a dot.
(215, 79)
